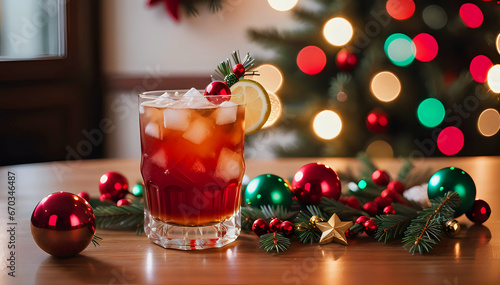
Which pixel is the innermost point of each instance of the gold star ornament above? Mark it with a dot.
(333, 230)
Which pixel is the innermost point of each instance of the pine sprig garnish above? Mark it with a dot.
(331, 206)
(123, 217)
(274, 242)
(224, 71)
(427, 229)
(305, 230)
(391, 227)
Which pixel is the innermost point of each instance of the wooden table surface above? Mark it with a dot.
(124, 258)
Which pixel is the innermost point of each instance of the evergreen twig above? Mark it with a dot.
(95, 240)
(123, 217)
(305, 230)
(331, 206)
(391, 226)
(274, 242)
(427, 229)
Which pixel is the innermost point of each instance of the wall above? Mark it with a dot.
(145, 42)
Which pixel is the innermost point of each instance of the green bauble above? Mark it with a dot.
(455, 180)
(268, 189)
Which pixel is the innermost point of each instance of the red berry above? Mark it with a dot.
(274, 225)
(353, 203)
(351, 234)
(343, 199)
(388, 194)
(382, 202)
(370, 227)
(397, 186)
(389, 210)
(84, 195)
(361, 220)
(259, 227)
(105, 197)
(286, 228)
(370, 208)
(238, 70)
(122, 202)
(381, 178)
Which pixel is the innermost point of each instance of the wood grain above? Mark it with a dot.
(124, 258)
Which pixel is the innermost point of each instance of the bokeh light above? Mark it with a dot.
(498, 43)
(430, 112)
(400, 9)
(338, 31)
(385, 86)
(400, 49)
(450, 140)
(479, 67)
(471, 15)
(341, 96)
(327, 124)
(435, 17)
(488, 123)
(276, 110)
(379, 148)
(426, 47)
(282, 5)
(493, 78)
(269, 76)
(311, 60)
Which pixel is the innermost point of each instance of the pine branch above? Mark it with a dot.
(271, 212)
(369, 168)
(305, 230)
(95, 240)
(274, 242)
(248, 216)
(405, 170)
(427, 229)
(124, 217)
(391, 226)
(215, 5)
(190, 7)
(308, 16)
(331, 206)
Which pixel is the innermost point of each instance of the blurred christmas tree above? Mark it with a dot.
(373, 63)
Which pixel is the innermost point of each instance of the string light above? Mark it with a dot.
(311, 60)
(435, 17)
(400, 9)
(385, 86)
(488, 123)
(269, 76)
(426, 47)
(479, 67)
(400, 49)
(338, 31)
(430, 112)
(282, 5)
(493, 78)
(327, 124)
(471, 15)
(450, 140)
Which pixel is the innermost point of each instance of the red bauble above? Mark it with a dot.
(397, 186)
(274, 225)
(63, 224)
(286, 228)
(314, 181)
(259, 227)
(370, 208)
(377, 121)
(361, 220)
(389, 210)
(351, 234)
(114, 184)
(479, 212)
(353, 203)
(238, 70)
(84, 195)
(381, 178)
(217, 88)
(370, 227)
(122, 202)
(346, 60)
(382, 202)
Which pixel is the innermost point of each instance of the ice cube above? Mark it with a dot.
(153, 130)
(176, 119)
(229, 165)
(141, 109)
(193, 92)
(165, 95)
(198, 131)
(160, 158)
(227, 113)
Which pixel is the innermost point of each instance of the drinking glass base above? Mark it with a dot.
(175, 236)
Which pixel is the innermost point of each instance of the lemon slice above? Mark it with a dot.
(257, 104)
(276, 110)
